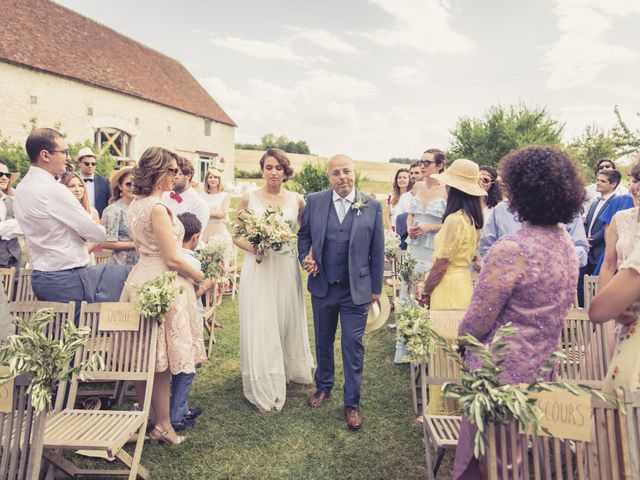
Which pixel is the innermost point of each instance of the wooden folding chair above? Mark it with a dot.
(587, 350)
(630, 427)
(550, 457)
(21, 434)
(61, 313)
(439, 431)
(128, 356)
(24, 293)
(8, 276)
(102, 257)
(590, 283)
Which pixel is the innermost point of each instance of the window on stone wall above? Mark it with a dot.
(206, 160)
(114, 141)
(207, 127)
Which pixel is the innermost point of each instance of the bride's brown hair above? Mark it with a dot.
(151, 167)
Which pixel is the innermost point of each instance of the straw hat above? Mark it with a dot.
(14, 177)
(464, 175)
(378, 313)
(217, 172)
(116, 175)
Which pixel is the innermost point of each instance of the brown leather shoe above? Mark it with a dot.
(318, 399)
(354, 418)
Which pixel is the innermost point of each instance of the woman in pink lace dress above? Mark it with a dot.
(158, 238)
(529, 277)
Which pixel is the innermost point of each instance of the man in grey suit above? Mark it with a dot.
(341, 246)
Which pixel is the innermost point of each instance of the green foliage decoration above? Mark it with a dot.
(48, 361)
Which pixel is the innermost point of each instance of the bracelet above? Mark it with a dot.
(199, 284)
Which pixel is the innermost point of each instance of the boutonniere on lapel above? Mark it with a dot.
(359, 205)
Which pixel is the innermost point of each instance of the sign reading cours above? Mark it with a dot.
(446, 322)
(566, 415)
(117, 316)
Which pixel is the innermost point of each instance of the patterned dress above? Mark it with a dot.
(628, 230)
(114, 219)
(519, 284)
(180, 342)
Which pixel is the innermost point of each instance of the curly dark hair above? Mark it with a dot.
(544, 184)
(151, 167)
(494, 194)
(281, 158)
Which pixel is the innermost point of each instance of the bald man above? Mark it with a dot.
(341, 246)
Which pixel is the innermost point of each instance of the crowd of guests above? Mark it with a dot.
(532, 230)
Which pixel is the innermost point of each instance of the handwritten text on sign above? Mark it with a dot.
(6, 392)
(118, 316)
(565, 415)
(446, 322)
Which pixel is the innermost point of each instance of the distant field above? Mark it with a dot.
(373, 171)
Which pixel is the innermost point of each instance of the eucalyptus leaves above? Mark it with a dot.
(407, 271)
(154, 298)
(48, 360)
(215, 256)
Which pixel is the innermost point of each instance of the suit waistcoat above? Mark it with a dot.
(335, 254)
(9, 248)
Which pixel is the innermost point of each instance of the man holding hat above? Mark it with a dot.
(97, 186)
(341, 246)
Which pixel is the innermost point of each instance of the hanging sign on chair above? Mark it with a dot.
(115, 316)
(6, 392)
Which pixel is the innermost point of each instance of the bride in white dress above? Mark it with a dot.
(274, 340)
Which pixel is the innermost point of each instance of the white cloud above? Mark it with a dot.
(323, 39)
(423, 25)
(409, 75)
(264, 50)
(582, 50)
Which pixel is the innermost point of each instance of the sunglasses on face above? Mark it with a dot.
(486, 180)
(5, 174)
(426, 163)
(175, 171)
(128, 184)
(605, 165)
(89, 164)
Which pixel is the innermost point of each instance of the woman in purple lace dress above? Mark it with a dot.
(529, 277)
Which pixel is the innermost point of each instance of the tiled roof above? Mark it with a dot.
(45, 36)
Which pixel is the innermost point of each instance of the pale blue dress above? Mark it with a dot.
(421, 249)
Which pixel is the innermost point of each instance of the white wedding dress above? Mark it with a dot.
(274, 339)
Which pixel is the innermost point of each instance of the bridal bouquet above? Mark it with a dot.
(154, 298)
(215, 257)
(413, 328)
(266, 230)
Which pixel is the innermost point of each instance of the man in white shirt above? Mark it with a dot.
(55, 225)
(184, 198)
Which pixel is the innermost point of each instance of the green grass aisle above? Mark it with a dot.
(231, 440)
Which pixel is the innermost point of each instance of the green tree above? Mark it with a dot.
(627, 140)
(401, 160)
(591, 146)
(486, 140)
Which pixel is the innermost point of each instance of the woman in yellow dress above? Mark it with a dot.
(448, 284)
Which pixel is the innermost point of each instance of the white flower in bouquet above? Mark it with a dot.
(391, 244)
(154, 298)
(267, 230)
(215, 257)
(412, 324)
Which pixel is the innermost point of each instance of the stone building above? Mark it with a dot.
(65, 70)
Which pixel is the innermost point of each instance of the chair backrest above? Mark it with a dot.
(548, 457)
(21, 435)
(24, 292)
(7, 276)
(590, 283)
(630, 424)
(61, 313)
(587, 350)
(127, 355)
(102, 257)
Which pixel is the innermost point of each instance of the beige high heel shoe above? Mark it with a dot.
(161, 437)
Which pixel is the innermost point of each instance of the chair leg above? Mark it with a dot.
(427, 450)
(440, 456)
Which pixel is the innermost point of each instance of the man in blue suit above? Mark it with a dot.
(606, 183)
(97, 186)
(341, 246)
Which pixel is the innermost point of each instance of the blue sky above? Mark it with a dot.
(382, 78)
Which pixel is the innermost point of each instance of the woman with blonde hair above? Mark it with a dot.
(77, 186)
(158, 236)
(218, 201)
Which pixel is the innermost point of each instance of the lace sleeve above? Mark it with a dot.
(633, 261)
(111, 222)
(498, 277)
(452, 234)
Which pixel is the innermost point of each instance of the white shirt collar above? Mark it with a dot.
(188, 252)
(607, 197)
(350, 198)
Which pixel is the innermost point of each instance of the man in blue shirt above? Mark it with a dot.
(502, 222)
